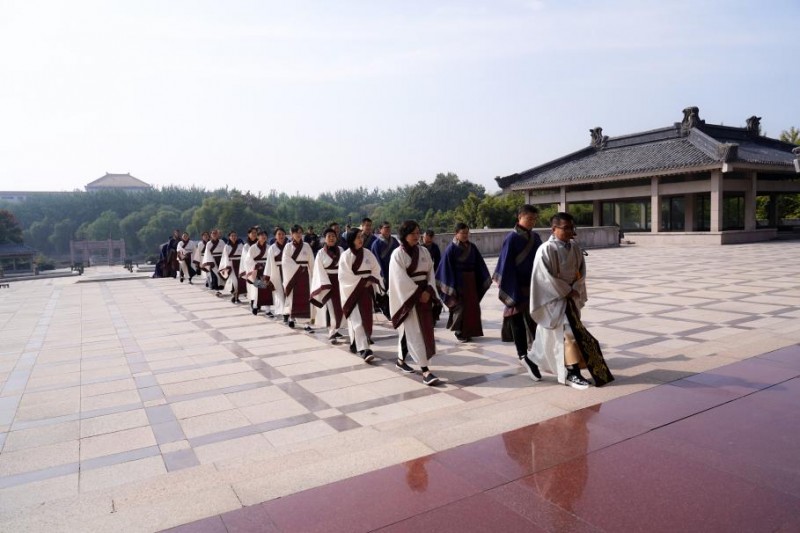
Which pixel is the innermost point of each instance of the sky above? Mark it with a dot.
(305, 97)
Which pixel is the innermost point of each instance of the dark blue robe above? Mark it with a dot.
(450, 273)
(436, 254)
(515, 266)
(383, 252)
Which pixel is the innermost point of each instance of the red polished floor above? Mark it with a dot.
(718, 451)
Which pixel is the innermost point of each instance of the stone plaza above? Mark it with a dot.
(136, 404)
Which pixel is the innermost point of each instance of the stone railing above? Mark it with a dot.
(489, 241)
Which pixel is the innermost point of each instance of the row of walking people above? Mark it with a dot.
(407, 279)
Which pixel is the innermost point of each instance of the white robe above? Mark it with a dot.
(185, 250)
(273, 272)
(290, 268)
(557, 270)
(197, 257)
(229, 255)
(324, 267)
(211, 257)
(249, 267)
(369, 272)
(401, 288)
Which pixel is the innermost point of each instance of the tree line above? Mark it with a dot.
(146, 219)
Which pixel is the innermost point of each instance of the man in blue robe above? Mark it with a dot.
(513, 276)
(383, 247)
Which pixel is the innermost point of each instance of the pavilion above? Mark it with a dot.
(118, 182)
(689, 183)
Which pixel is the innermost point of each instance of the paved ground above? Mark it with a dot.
(145, 404)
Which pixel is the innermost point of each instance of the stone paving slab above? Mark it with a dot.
(146, 403)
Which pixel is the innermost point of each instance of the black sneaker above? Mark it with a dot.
(531, 368)
(430, 379)
(270, 314)
(576, 381)
(337, 335)
(367, 355)
(286, 318)
(181, 279)
(401, 365)
(308, 328)
(290, 323)
(254, 310)
(353, 347)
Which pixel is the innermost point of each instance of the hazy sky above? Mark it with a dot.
(312, 96)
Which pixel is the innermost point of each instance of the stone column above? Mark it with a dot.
(716, 201)
(655, 206)
(597, 207)
(562, 204)
(617, 214)
(688, 212)
(750, 201)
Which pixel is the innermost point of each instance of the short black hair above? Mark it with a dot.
(460, 226)
(261, 232)
(351, 238)
(527, 209)
(406, 229)
(366, 219)
(255, 228)
(297, 228)
(430, 233)
(328, 230)
(561, 216)
(279, 228)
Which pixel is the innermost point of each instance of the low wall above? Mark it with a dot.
(701, 238)
(489, 241)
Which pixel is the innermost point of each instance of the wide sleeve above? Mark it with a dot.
(548, 303)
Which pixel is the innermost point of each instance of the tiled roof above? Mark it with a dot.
(656, 151)
(16, 250)
(118, 181)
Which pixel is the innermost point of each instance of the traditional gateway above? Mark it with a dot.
(690, 183)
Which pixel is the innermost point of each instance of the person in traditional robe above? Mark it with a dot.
(558, 290)
(412, 291)
(383, 247)
(254, 263)
(229, 267)
(436, 255)
(313, 240)
(359, 279)
(513, 276)
(172, 262)
(185, 250)
(211, 260)
(199, 252)
(273, 274)
(463, 279)
(366, 232)
(298, 260)
(325, 283)
(252, 238)
(341, 241)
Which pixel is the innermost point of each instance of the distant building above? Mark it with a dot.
(118, 182)
(689, 183)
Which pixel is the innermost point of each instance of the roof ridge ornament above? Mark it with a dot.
(691, 119)
(598, 139)
(754, 126)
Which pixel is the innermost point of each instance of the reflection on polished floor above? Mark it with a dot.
(712, 452)
(144, 404)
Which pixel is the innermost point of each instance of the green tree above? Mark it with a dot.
(106, 226)
(63, 232)
(792, 135)
(10, 230)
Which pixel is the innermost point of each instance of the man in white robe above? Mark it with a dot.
(199, 252)
(230, 265)
(359, 280)
(185, 250)
(325, 283)
(211, 259)
(254, 266)
(559, 273)
(298, 259)
(412, 291)
(274, 273)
